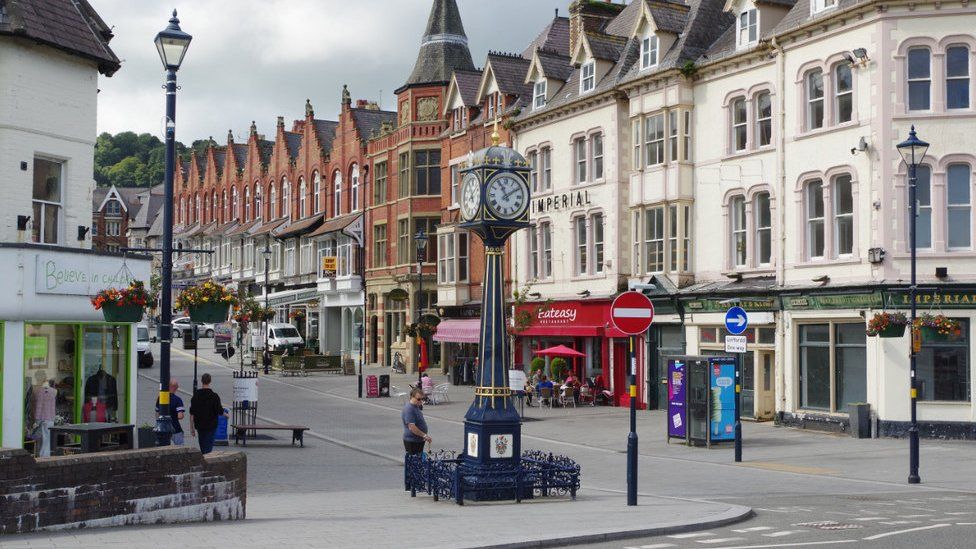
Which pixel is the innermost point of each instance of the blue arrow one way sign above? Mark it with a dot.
(736, 320)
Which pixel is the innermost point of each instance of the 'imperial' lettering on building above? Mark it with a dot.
(563, 201)
(568, 315)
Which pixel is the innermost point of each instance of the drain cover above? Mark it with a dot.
(829, 525)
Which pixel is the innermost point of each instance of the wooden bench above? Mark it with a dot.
(297, 432)
(321, 363)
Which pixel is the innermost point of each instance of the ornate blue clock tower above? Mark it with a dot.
(494, 204)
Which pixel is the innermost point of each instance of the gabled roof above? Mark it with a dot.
(266, 149)
(508, 72)
(554, 37)
(240, 155)
(802, 13)
(553, 65)
(325, 131)
(625, 21)
(605, 47)
(466, 83)
(72, 26)
(220, 159)
(443, 48)
(293, 142)
(369, 121)
(201, 167)
(667, 16)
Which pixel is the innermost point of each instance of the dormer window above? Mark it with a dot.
(649, 52)
(491, 106)
(820, 5)
(588, 76)
(459, 118)
(539, 94)
(748, 29)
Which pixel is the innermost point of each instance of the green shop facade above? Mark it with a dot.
(809, 358)
(60, 362)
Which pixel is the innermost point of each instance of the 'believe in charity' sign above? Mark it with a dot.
(81, 274)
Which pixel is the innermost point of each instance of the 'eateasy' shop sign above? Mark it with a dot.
(77, 274)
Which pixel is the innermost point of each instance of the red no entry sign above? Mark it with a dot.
(632, 313)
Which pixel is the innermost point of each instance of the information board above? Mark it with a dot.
(246, 389)
(677, 389)
(516, 380)
(722, 405)
(372, 387)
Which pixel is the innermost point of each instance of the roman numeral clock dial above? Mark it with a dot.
(507, 196)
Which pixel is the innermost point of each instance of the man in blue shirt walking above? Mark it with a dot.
(414, 424)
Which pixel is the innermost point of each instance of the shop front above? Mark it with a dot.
(61, 363)
(585, 326)
(339, 311)
(458, 335)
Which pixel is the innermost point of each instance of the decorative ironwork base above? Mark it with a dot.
(534, 474)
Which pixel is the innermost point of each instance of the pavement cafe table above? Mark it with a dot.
(93, 436)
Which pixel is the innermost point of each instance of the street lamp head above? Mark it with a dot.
(913, 149)
(172, 44)
(421, 238)
(267, 251)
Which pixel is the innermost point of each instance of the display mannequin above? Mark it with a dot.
(101, 389)
(44, 403)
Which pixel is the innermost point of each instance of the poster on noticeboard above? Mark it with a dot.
(677, 390)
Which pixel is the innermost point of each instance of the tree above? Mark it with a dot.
(128, 159)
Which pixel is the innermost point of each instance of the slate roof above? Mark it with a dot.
(370, 120)
(605, 47)
(800, 14)
(555, 65)
(220, 159)
(240, 155)
(554, 37)
(443, 48)
(293, 142)
(725, 45)
(201, 167)
(266, 149)
(625, 21)
(72, 26)
(152, 204)
(509, 72)
(467, 85)
(668, 16)
(325, 131)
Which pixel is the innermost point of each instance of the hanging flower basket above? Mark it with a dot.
(208, 302)
(887, 325)
(938, 328)
(125, 305)
(208, 313)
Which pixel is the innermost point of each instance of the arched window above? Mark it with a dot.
(223, 204)
(959, 206)
(317, 189)
(919, 79)
(354, 196)
(273, 202)
(337, 196)
(302, 191)
(196, 208)
(285, 198)
(737, 213)
(814, 81)
(213, 207)
(843, 93)
(182, 210)
(233, 203)
(843, 195)
(247, 204)
(923, 197)
(814, 194)
(764, 229)
(957, 77)
(258, 213)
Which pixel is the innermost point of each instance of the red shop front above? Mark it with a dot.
(584, 325)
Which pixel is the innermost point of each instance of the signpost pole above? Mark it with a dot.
(738, 407)
(632, 436)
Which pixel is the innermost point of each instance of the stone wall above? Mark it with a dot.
(151, 486)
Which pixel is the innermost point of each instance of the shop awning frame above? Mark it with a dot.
(459, 330)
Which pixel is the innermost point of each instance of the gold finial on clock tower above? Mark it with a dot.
(495, 137)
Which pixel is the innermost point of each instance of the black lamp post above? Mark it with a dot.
(912, 151)
(267, 262)
(172, 44)
(421, 239)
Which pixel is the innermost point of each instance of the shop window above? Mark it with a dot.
(708, 335)
(49, 363)
(957, 77)
(48, 183)
(942, 368)
(105, 373)
(833, 366)
(919, 79)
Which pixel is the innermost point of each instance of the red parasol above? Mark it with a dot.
(561, 351)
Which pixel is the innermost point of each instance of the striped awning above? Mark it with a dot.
(467, 330)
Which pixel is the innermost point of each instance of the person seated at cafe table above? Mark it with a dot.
(543, 384)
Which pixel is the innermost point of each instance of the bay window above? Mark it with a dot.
(687, 133)
(654, 139)
(637, 144)
(673, 135)
(654, 240)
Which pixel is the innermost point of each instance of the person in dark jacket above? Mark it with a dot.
(205, 408)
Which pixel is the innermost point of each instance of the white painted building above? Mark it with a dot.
(54, 343)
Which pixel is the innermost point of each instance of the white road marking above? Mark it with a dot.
(657, 546)
(915, 516)
(691, 535)
(897, 522)
(966, 524)
(719, 540)
(782, 533)
(871, 518)
(753, 529)
(898, 532)
(959, 513)
(798, 544)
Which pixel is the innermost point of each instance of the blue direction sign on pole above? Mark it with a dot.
(736, 320)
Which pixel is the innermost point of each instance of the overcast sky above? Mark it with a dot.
(258, 59)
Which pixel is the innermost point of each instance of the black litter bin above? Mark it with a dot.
(189, 341)
(384, 385)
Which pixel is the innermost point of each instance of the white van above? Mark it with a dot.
(283, 335)
(143, 350)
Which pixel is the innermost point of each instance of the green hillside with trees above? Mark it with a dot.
(128, 159)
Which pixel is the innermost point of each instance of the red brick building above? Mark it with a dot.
(113, 209)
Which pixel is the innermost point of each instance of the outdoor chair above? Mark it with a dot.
(396, 393)
(440, 394)
(566, 397)
(545, 397)
(586, 396)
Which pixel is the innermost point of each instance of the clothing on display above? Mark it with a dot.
(103, 386)
(44, 401)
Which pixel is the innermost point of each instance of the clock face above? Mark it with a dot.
(507, 196)
(470, 196)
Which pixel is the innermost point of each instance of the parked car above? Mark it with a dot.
(183, 324)
(282, 336)
(143, 349)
